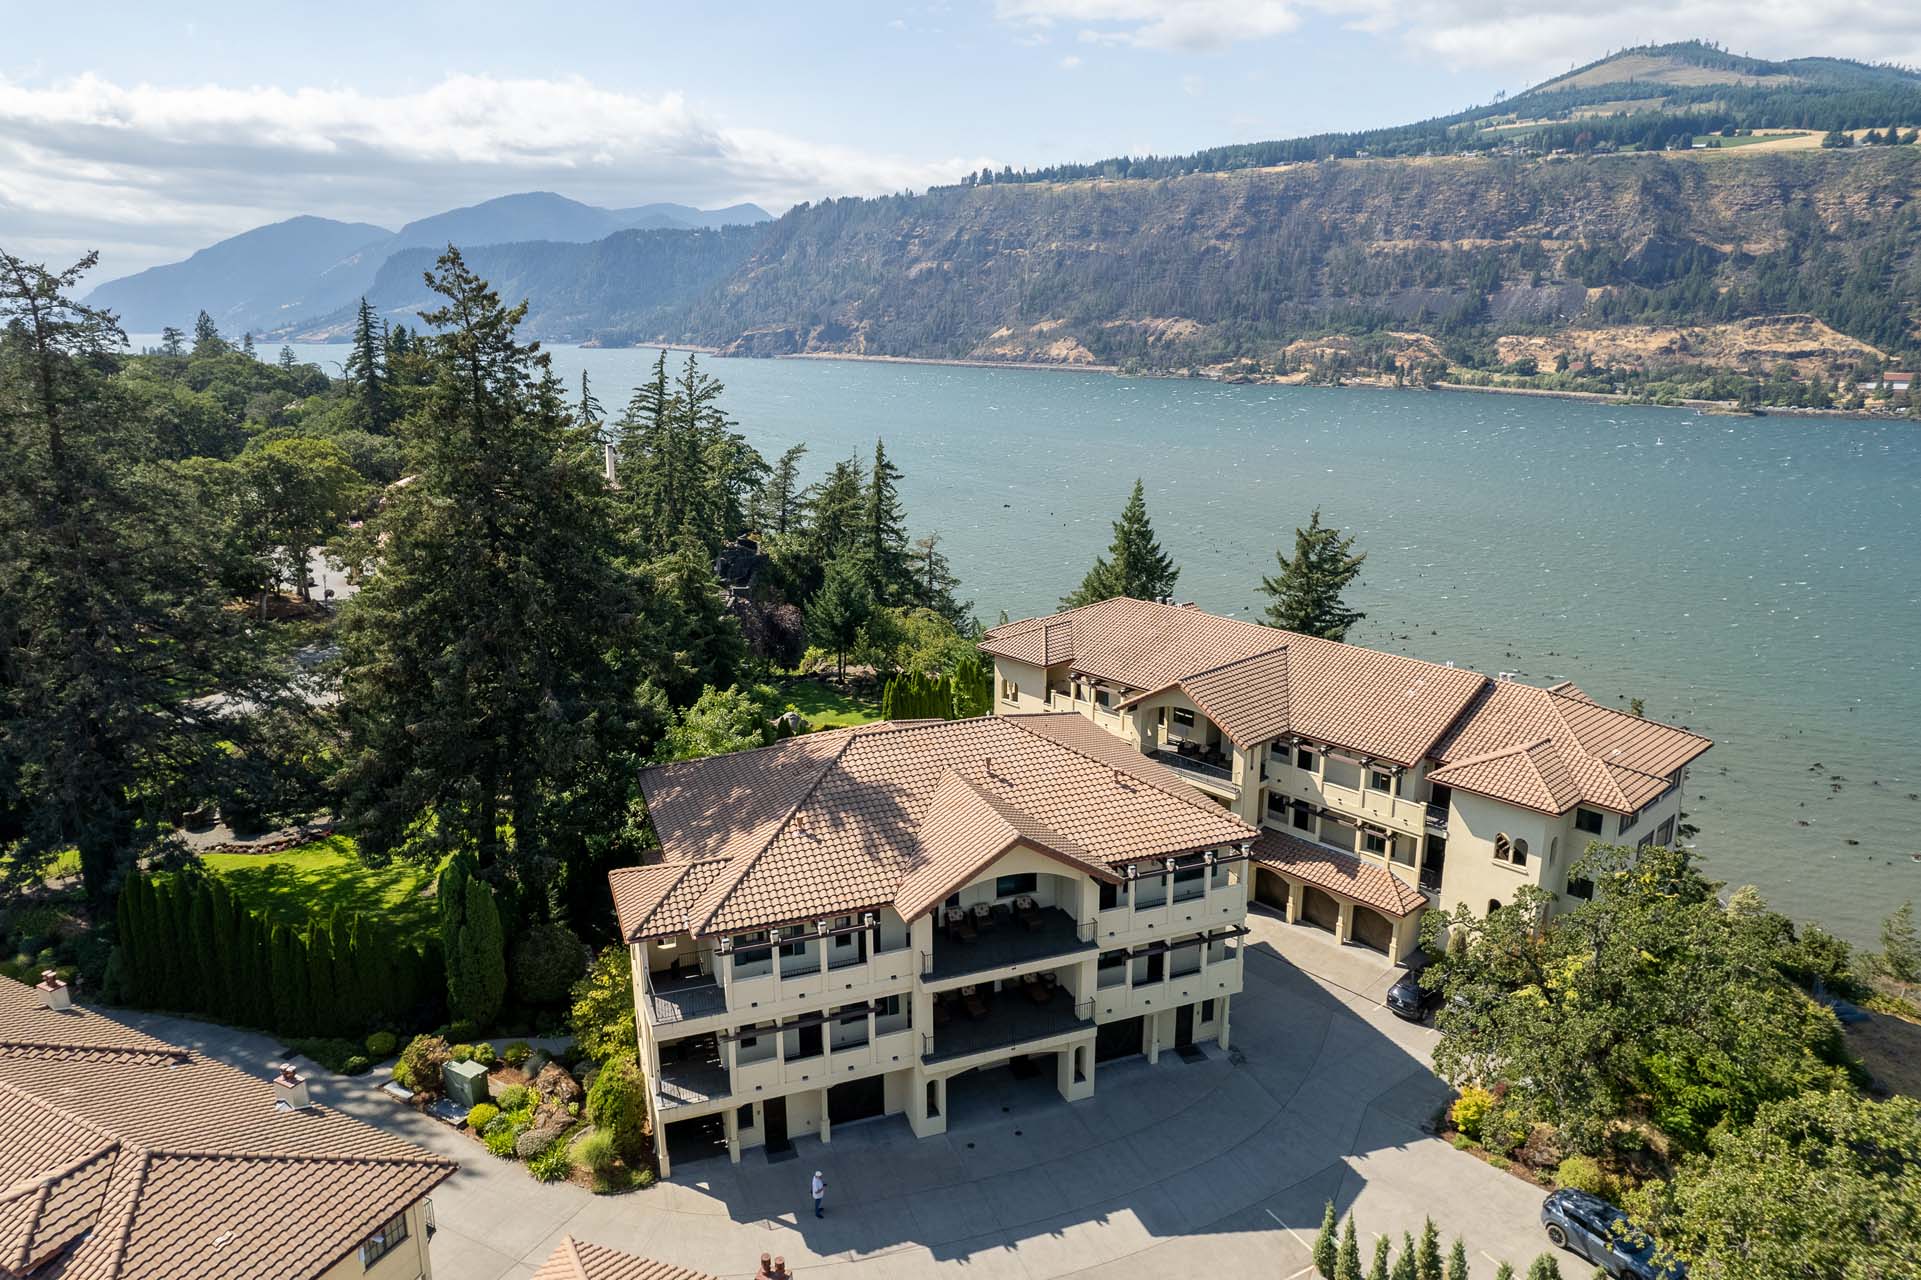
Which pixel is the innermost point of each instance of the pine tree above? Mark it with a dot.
(883, 544)
(1545, 1267)
(841, 607)
(206, 338)
(322, 982)
(1326, 1246)
(288, 360)
(1348, 1267)
(1379, 1269)
(501, 570)
(935, 582)
(173, 342)
(1457, 1260)
(1505, 1271)
(1404, 1268)
(210, 979)
(114, 627)
(291, 1008)
(1427, 1259)
(780, 497)
(1307, 591)
(590, 412)
(1135, 566)
(366, 373)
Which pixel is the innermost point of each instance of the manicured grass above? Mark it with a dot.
(313, 879)
(824, 706)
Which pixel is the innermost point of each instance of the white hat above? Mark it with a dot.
(817, 1173)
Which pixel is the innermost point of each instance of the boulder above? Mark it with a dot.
(553, 1082)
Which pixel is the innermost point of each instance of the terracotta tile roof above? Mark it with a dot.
(1260, 683)
(965, 828)
(578, 1260)
(652, 901)
(132, 1159)
(854, 813)
(1265, 681)
(1551, 749)
(1367, 882)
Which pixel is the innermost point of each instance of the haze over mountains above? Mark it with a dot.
(1731, 212)
(305, 268)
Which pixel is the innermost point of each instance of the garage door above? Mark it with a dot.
(1117, 1039)
(852, 1100)
(1319, 909)
(1270, 889)
(1372, 929)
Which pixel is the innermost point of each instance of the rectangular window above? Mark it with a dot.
(1010, 692)
(1277, 803)
(1102, 698)
(1303, 816)
(1304, 759)
(1587, 820)
(1112, 895)
(1380, 780)
(1160, 715)
(1373, 842)
(1112, 970)
(1009, 886)
(384, 1241)
(1645, 841)
(1627, 822)
(1666, 832)
(1580, 888)
(744, 1118)
(887, 1006)
(1183, 717)
(1207, 1011)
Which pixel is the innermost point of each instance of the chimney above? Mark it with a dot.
(53, 992)
(289, 1090)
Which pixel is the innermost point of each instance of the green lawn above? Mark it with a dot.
(313, 879)
(824, 706)
(1747, 141)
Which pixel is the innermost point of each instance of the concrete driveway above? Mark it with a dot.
(1177, 1170)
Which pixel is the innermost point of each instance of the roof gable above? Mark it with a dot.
(967, 828)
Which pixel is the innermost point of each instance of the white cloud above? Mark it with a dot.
(1536, 39)
(1191, 25)
(1071, 62)
(150, 173)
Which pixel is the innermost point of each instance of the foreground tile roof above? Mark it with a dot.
(578, 1260)
(127, 1158)
(1546, 749)
(1365, 881)
(883, 814)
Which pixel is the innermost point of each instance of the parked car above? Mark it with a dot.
(1591, 1228)
(1407, 997)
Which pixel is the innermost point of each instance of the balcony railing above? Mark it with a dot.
(1012, 1019)
(692, 1077)
(1194, 765)
(674, 999)
(1437, 818)
(1046, 934)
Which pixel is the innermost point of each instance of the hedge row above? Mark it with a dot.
(187, 945)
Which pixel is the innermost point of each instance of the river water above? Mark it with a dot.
(1755, 579)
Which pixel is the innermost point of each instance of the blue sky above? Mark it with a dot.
(164, 127)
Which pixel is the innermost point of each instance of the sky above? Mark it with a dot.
(147, 131)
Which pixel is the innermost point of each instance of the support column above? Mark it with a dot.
(730, 1125)
(1222, 1038)
(660, 1147)
(826, 1122)
(1151, 1032)
(1344, 923)
(1294, 891)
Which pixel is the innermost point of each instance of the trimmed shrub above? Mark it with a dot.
(596, 1153)
(554, 1163)
(533, 1142)
(644, 1179)
(462, 1031)
(357, 1066)
(618, 1105)
(481, 1116)
(516, 1053)
(500, 1141)
(381, 1045)
(516, 1097)
(1583, 1173)
(420, 1064)
(484, 1054)
(547, 961)
(461, 1053)
(1469, 1111)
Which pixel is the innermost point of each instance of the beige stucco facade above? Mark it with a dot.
(408, 1260)
(1455, 848)
(758, 1037)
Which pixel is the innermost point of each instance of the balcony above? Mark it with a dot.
(1437, 818)
(674, 999)
(1199, 767)
(1009, 942)
(691, 1072)
(1010, 1018)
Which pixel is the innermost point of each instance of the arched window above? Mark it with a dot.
(1503, 848)
(1493, 905)
(1553, 849)
(1519, 852)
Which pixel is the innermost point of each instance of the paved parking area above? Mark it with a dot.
(1175, 1170)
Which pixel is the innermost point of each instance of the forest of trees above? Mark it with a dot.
(525, 635)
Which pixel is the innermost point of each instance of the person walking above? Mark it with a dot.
(819, 1189)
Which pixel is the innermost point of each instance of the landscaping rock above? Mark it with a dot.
(552, 1081)
(535, 1061)
(466, 1083)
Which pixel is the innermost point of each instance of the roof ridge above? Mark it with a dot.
(430, 1160)
(1498, 753)
(129, 1050)
(1193, 799)
(570, 1250)
(729, 880)
(48, 1177)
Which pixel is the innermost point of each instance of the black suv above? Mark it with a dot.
(1590, 1227)
(1407, 997)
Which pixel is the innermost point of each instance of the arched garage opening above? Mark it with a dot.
(1319, 909)
(1270, 889)
(1373, 930)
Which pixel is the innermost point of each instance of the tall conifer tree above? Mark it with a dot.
(1307, 591)
(1134, 566)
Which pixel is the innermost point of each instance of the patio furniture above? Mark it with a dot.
(1038, 992)
(1028, 912)
(960, 925)
(941, 1013)
(972, 1002)
(983, 916)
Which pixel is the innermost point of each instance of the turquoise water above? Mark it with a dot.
(1756, 579)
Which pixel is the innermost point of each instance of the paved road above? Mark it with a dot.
(1175, 1170)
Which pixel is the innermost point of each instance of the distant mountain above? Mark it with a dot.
(277, 276)
(235, 280)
